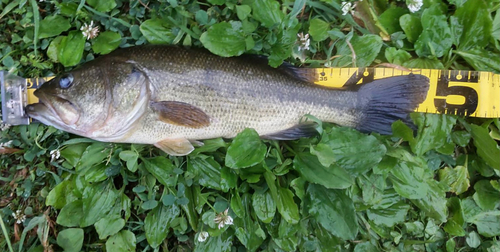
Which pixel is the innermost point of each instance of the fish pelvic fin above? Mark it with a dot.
(295, 132)
(175, 146)
(385, 101)
(181, 114)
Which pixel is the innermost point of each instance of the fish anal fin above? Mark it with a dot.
(181, 113)
(295, 132)
(175, 146)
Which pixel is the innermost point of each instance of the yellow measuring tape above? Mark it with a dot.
(456, 92)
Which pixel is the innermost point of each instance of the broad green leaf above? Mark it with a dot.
(435, 39)
(246, 150)
(433, 130)
(366, 47)
(285, 235)
(287, 206)
(424, 63)
(433, 204)
(264, 206)
(93, 154)
(372, 187)
(237, 206)
(390, 18)
(74, 152)
(354, 151)
(189, 208)
(217, 2)
(461, 137)
(365, 247)
(157, 31)
(408, 180)
(248, 231)
(242, 11)
(106, 42)
(225, 39)
(96, 174)
(70, 50)
(70, 239)
(97, 201)
(102, 5)
(486, 197)
(207, 171)
(122, 241)
(109, 225)
(131, 158)
(389, 216)
(52, 26)
(476, 23)
(457, 178)
(397, 56)
(220, 243)
(318, 29)
(162, 169)
(470, 208)
(487, 223)
(267, 12)
(481, 59)
(411, 25)
(495, 30)
(157, 223)
(229, 179)
(61, 195)
(282, 47)
(210, 145)
(71, 214)
(333, 210)
(456, 221)
(53, 51)
(487, 148)
(312, 170)
(473, 240)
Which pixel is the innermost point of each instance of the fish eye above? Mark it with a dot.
(65, 81)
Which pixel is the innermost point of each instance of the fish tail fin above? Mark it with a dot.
(385, 101)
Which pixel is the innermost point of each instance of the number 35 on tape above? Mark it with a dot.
(455, 92)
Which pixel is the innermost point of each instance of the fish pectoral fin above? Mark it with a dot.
(175, 146)
(295, 132)
(181, 114)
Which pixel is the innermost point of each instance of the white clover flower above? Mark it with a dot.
(304, 41)
(223, 219)
(54, 155)
(202, 236)
(346, 8)
(19, 216)
(414, 5)
(89, 31)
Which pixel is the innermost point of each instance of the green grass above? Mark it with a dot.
(341, 191)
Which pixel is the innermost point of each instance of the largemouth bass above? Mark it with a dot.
(173, 96)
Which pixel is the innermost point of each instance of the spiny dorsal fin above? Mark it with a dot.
(180, 113)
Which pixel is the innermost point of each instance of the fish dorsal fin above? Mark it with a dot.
(295, 132)
(303, 74)
(175, 146)
(181, 113)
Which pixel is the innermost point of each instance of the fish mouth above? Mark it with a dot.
(46, 112)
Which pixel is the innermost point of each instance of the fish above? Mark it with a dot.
(173, 97)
